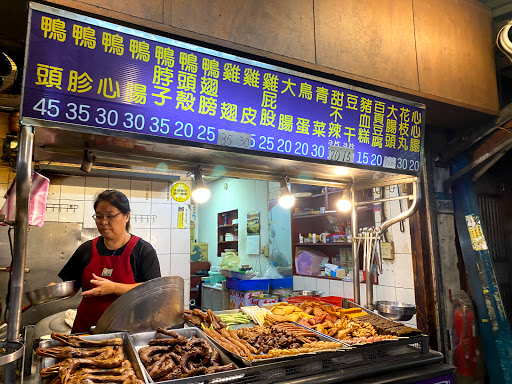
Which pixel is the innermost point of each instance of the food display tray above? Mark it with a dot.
(140, 340)
(248, 363)
(233, 312)
(128, 350)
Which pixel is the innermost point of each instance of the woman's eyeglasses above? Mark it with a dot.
(106, 217)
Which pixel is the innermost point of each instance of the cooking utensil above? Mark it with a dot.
(396, 310)
(51, 293)
(155, 303)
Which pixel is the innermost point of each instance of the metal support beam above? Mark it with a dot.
(23, 185)
(355, 249)
(501, 148)
(451, 150)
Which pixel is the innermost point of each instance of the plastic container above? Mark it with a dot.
(334, 300)
(215, 277)
(301, 299)
(284, 283)
(247, 285)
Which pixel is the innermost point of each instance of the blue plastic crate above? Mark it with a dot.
(284, 283)
(247, 285)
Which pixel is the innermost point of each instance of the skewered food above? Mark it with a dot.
(177, 357)
(343, 324)
(260, 342)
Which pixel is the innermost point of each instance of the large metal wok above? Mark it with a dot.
(51, 293)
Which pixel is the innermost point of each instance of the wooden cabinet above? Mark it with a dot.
(227, 231)
(195, 278)
(317, 214)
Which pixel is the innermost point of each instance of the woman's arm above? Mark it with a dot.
(107, 287)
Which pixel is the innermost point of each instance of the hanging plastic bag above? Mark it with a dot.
(229, 260)
(38, 197)
(271, 272)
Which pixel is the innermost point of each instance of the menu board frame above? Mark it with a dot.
(294, 135)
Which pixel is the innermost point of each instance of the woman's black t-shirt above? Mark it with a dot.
(143, 260)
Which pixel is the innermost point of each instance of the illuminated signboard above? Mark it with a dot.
(91, 73)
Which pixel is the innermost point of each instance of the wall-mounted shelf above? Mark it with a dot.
(225, 225)
(331, 221)
(323, 244)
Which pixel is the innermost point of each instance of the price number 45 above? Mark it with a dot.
(48, 107)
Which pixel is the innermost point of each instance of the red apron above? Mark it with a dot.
(116, 268)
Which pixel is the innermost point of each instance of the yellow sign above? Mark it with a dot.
(475, 232)
(180, 192)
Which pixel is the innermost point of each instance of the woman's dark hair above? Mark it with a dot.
(117, 199)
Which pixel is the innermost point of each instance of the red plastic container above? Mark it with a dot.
(334, 300)
(301, 299)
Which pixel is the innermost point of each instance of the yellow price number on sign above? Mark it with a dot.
(180, 192)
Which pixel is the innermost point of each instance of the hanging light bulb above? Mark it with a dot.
(286, 200)
(200, 194)
(344, 204)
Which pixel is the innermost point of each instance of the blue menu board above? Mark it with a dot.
(87, 72)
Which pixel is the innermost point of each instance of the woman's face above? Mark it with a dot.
(113, 222)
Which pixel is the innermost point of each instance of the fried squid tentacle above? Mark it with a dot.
(146, 353)
(169, 342)
(162, 367)
(221, 368)
(167, 332)
(174, 374)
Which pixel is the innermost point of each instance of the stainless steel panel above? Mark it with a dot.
(128, 349)
(140, 340)
(48, 249)
(155, 303)
(123, 151)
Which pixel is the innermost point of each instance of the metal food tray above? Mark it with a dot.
(249, 363)
(359, 345)
(128, 350)
(140, 340)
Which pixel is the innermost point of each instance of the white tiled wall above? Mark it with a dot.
(396, 283)
(153, 214)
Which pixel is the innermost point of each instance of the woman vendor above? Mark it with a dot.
(111, 264)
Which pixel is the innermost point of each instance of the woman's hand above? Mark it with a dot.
(107, 287)
(103, 287)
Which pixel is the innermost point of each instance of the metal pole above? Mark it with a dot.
(416, 193)
(380, 201)
(369, 273)
(23, 185)
(355, 248)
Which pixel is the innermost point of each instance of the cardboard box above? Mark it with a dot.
(238, 299)
(267, 300)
